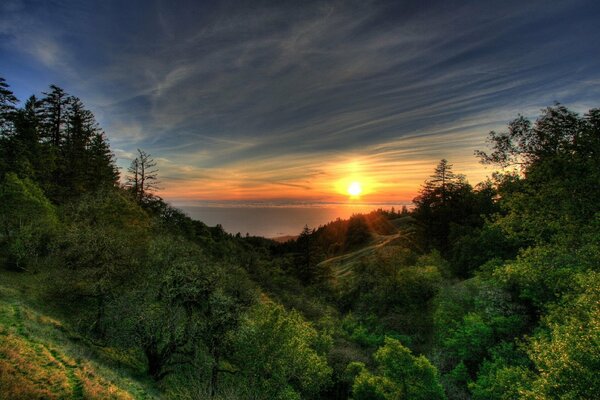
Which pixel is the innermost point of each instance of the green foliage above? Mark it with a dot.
(358, 233)
(544, 274)
(22, 203)
(504, 375)
(368, 333)
(101, 262)
(188, 303)
(277, 353)
(41, 357)
(57, 142)
(400, 375)
(388, 282)
(307, 257)
(561, 168)
(512, 312)
(567, 353)
(472, 319)
(27, 219)
(470, 251)
(498, 381)
(471, 339)
(448, 204)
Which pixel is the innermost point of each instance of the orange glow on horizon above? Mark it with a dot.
(344, 180)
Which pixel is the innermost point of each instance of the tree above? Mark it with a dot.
(280, 355)
(557, 189)
(445, 201)
(558, 130)
(26, 215)
(358, 233)
(7, 107)
(567, 354)
(306, 259)
(400, 375)
(29, 156)
(57, 142)
(55, 114)
(143, 176)
(185, 305)
(101, 169)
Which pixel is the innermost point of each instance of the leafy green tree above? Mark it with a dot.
(480, 245)
(400, 375)
(557, 188)
(557, 131)
(567, 354)
(280, 355)
(504, 375)
(101, 244)
(101, 263)
(22, 203)
(26, 218)
(187, 304)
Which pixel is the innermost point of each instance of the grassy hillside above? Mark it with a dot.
(402, 234)
(343, 265)
(41, 358)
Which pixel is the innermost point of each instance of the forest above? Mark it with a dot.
(486, 291)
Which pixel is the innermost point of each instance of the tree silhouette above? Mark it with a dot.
(143, 176)
(7, 105)
(54, 115)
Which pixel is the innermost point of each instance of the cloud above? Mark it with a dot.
(259, 98)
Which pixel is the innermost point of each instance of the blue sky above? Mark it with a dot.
(290, 100)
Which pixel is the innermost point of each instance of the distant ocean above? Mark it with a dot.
(274, 220)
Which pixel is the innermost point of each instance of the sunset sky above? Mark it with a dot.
(288, 101)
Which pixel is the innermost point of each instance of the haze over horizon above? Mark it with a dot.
(290, 102)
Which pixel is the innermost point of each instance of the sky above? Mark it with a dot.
(290, 102)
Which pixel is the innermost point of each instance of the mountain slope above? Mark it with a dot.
(342, 266)
(41, 358)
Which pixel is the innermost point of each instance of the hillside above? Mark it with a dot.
(41, 357)
(342, 265)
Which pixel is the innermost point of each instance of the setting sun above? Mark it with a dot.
(354, 189)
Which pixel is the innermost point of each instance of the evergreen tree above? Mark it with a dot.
(445, 200)
(54, 116)
(306, 259)
(101, 169)
(7, 106)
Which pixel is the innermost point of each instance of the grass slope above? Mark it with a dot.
(40, 358)
(343, 265)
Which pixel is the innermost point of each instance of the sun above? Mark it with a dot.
(355, 189)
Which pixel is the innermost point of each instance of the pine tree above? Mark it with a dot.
(101, 169)
(444, 200)
(54, 120)
(7, 107)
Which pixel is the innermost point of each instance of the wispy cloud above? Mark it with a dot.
(264, 100)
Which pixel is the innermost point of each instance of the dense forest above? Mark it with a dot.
(477, 292)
